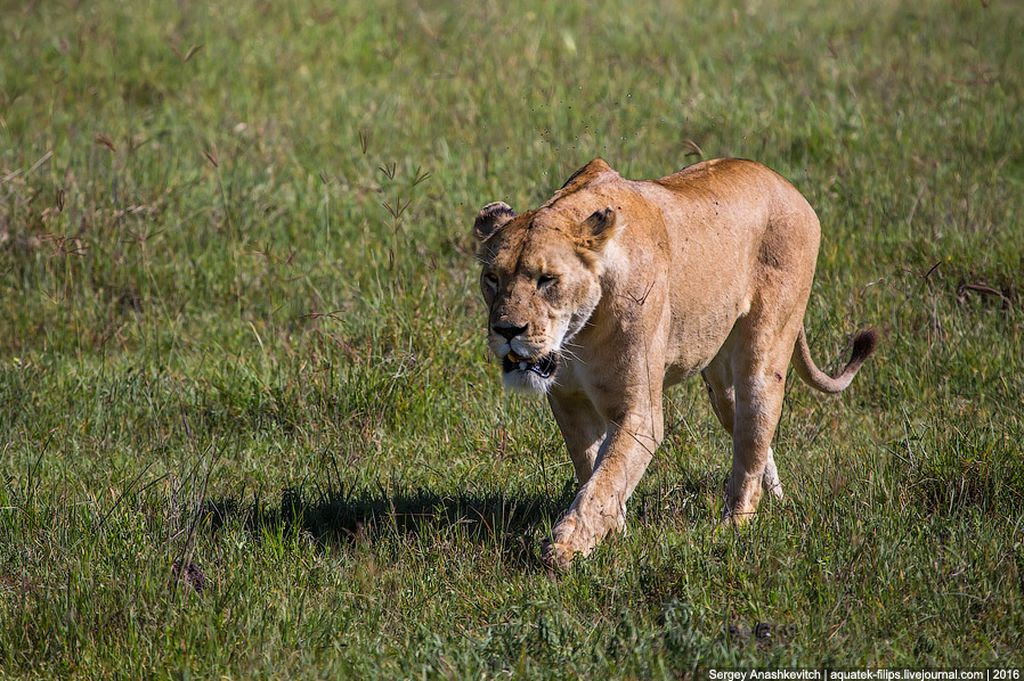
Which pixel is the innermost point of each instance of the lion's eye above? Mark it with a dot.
(545, 280)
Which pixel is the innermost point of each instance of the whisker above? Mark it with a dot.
(570, 354)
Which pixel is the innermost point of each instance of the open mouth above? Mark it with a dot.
(542, 366)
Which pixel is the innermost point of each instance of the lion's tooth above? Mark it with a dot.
(522, 366)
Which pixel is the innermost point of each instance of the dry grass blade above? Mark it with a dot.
(191, 52)
(35, 166)
(105, 141)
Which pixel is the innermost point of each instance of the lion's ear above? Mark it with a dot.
(599, 228)
(491, 218)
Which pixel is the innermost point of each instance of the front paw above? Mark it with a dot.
(556, 556)
(559, 551)
(742, 494)
(577, 535)
(737, 513)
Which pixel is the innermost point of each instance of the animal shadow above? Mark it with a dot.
(512, 522)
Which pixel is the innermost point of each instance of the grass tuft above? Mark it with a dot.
(247, 424)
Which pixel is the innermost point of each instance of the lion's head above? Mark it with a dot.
(541, 281)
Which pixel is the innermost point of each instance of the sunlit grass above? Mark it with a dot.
(247, 423)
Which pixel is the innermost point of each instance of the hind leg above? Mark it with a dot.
(718, 379)
(760, 385)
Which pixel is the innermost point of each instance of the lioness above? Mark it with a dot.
(615, 289)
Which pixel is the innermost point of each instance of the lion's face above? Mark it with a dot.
(541, 282)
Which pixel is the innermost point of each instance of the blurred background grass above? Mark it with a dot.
(240, 331)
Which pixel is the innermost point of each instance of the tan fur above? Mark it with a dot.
(637, 285)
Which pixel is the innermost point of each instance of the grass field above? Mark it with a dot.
(248, 427)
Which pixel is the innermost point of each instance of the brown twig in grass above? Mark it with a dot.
(983, 289)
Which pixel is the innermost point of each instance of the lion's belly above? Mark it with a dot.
(698, 333)
(712, 291)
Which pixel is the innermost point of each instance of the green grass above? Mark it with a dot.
(240, 329)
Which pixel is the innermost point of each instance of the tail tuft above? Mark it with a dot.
(864, 343)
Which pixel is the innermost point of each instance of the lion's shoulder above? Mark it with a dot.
(585, 174)
(594, 172)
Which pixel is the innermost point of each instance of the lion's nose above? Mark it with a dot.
(509, 331)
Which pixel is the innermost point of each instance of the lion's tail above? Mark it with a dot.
(863, 345)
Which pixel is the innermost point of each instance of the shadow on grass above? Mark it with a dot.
(513, 522)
